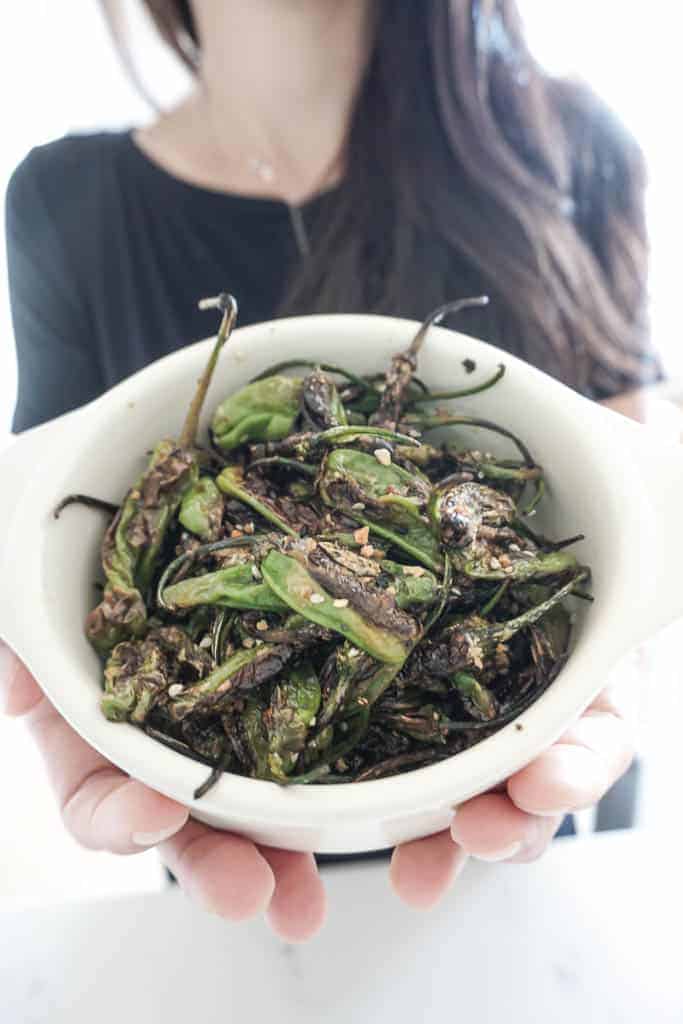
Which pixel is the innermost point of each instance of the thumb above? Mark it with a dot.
(19, 692)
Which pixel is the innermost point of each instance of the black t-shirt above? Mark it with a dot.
(108, 255)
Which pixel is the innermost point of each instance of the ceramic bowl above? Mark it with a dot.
(608, 478)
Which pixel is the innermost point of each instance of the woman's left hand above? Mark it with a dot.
(518, 822)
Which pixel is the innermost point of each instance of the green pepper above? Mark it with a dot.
(552, 563)
(399, 376)
(387, 498)
(138, 673)
(298, 588)
(294, 704)
(320, 403)
(414, 586)
(240, 673)
(132, 543)
(477, 698)
(474, 639)
(201, 510)
(265, 410)
(254, 737)
(231, 482)
(134, 539)
(233, 587)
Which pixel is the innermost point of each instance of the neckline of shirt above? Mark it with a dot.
(241, 202)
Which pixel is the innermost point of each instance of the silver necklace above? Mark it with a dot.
(266, 173)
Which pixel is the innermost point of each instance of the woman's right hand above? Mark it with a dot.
(104, 809)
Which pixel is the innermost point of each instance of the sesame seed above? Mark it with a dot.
(367, 551)
(256, 572)
(248, 527)
(358, 506)
(494, 563)
(316, 599)
(413, 570)
(175, 690)
(514, 547)
(262, 625)
(248, 642)
(383, 456)
(205, 642)
(341, 602)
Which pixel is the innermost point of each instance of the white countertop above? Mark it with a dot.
(589, 935)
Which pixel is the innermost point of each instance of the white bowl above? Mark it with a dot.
(608, 478)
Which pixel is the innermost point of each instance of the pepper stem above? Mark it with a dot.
(228, 305)
(437, 316)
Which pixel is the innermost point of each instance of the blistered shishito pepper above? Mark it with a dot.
(265, 410)
(474, 640)
(476, 697)
(321, 406)
(519, 567)
(201, 510)
(131, 545)
(138, 673)
(242, 672)
(252, 735)
(233, 587)
(293, 707)
(231, 482)
(404, 364)
(467, 513)
(384, 496)
(295, 585)
(133, 541)
(414, 586)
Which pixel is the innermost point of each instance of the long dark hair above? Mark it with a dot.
(469, 168)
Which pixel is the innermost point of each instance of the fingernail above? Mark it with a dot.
(491, 858)
(152, 838)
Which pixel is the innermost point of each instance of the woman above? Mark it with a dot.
(334, 155)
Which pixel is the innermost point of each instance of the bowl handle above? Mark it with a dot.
(658, 462)
(20, 463)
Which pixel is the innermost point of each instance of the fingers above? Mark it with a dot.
(422, 871)
(224, 873)
(492, 828)
(297, 909)
(578, 770)
(101, 806)
(574, 773)
(19, 691)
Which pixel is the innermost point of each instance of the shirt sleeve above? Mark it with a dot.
(57, 365)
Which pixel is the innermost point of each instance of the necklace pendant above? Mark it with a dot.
(263, 170)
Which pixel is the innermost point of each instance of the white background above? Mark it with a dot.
(58, 73)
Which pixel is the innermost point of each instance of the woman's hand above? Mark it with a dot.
(104, 809)
(518, 822)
